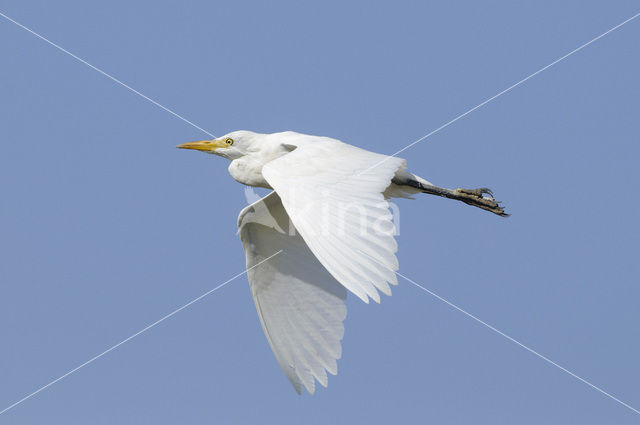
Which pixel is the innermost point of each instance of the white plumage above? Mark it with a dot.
(300, 305)
(329, 225)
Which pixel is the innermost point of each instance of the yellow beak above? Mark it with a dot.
(203, 145)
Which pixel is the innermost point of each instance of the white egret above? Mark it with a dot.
(329, 223)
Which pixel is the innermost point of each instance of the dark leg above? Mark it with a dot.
(475, 197)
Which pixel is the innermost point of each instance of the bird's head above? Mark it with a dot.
(233, 145)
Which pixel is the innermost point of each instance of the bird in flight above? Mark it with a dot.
(324, 229)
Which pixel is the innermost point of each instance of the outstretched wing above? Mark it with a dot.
(300, 305)
(333, 193)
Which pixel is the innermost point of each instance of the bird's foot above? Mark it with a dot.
(481, 198)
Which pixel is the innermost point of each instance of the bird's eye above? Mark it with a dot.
(229, 141)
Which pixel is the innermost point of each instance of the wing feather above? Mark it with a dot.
(300, 305)
(333, 193)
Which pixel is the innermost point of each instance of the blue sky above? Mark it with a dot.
(106, 227)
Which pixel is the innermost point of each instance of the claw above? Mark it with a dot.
(487, 191)
(476, 198)
(477, 192)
